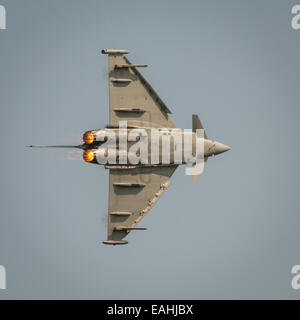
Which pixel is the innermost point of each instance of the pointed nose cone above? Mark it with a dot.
(220, 148)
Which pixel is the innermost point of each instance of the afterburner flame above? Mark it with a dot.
(88, 137)
(88, 155)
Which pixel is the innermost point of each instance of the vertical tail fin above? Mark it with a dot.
(198, 125)
(197, 168)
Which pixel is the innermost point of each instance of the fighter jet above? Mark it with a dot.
(135, 186)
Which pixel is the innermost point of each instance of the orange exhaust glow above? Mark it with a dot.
(88, 137)
(88, 155)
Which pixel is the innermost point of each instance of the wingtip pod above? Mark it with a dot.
(114, 51)
(115, 242)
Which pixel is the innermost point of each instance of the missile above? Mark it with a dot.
(131, 66)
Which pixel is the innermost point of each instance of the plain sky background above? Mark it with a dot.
(235, 233)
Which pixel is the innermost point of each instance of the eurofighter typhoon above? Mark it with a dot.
(141, 147)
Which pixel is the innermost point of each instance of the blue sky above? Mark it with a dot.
(235, 233)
